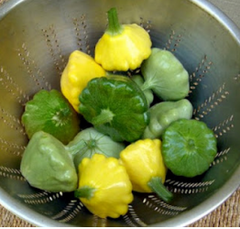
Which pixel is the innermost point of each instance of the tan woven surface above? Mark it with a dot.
(226, 215)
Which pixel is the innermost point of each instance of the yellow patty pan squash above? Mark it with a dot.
(80, 69)
(122, 46)
(104, 186)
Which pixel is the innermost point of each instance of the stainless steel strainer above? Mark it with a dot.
(36, 38)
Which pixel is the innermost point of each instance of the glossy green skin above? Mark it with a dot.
(48, 165)
(116, 106)
(165, 75)
(164, 113)
(147, 92)
(94, 142)
(188, 147)
(50, 112)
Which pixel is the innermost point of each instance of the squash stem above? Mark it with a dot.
(76, 147)
(114, 27)
(84, 192)
(148, 85)
(157, 186)
(105, 116)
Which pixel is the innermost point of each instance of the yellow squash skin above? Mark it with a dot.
(80, 69)
(143, 161)
(123, 51)
(113, 189)
(122, 46)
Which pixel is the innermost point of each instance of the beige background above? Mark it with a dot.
(226, 215)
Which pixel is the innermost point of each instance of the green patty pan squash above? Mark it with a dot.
(48, 165)
(50, 112)
(94, 142)
(116, 106)
(188, 147)
(164, 113)
(165, 75)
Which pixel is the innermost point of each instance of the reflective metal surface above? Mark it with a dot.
(36, 38)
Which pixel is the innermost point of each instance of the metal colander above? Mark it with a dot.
(36, 38)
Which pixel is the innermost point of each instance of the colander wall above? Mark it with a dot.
(36, 38)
